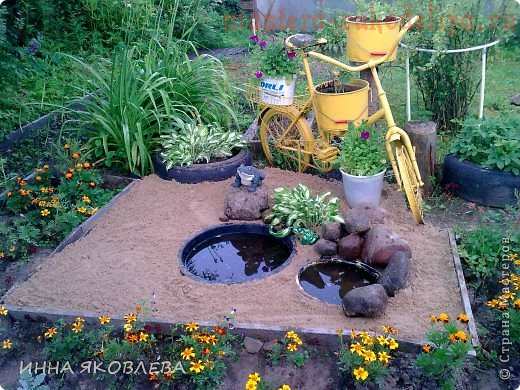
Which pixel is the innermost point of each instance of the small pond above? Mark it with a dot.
(235, 253)
(330, 280)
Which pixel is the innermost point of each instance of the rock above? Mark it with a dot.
(349, 247)
(366, 301)
(395, 275)
(381, 244)
(252, 345)
(241, 204)
(356, 221)
(268, 346)
(331, 231)
(515, 100)
(223, 218)
(325, 247)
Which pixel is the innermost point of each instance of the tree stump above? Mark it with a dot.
(424, 139)
(373, 98)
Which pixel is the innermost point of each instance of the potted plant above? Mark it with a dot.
(193, 152)
(276, 70)
(484, 164)
(363, 165)
(372, 32)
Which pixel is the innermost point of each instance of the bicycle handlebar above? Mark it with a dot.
(371, 63)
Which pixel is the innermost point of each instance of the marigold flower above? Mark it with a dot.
(77, 327)
(197, 367)
(462, 317)
(254, 377)
(128, 327)
(461, 336)
(69, 175)
(46, 167)
(7, 344)
(103, 320)
(188, 353)
(360, 374)
(50, 333)
(38, 178)
(426, 348)
(369, 356)
(85, 199)
(292, 347)
(152, 377)
(220, 330)
(357, 348)
(383, 357)
(284, 387)
(66, 146)
(389, 329)
(443, 317)
(516, 304)
(211, 339)
(367, 339)
(87, 165)
(191, 326)
(132, 338)
(206, 351)
(392, 344)
(143, 337)
(45, 212)
(291, 334)
(23, 192)
(3, 309)
(382, 340)
(76, 155)
(251, 385)
(353, 334)
(92, 184)
(433, 318)
(82, 210)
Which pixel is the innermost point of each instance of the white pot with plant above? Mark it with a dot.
(363, 165)
(276, 70)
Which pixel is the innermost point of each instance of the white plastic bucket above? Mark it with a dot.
(277, 91)
(363, 190)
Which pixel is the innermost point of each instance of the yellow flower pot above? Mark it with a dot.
(340, 104)
(371, 40)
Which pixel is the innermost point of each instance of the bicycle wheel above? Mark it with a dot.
(409, 182)
(287, 148)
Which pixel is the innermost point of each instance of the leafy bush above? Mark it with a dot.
(366, 357)
(480, 252)
(334, 32)
(290, 348)
(448, 82)
(362, 151)
(192, 143)
(445, 351)
(272, 57)
(493, 143)
(374, 10)
(297, 208)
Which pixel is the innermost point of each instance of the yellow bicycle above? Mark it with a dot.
(285, 131)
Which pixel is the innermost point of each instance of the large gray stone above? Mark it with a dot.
(326, 248)
(349, 247)
(395, 275)
(515, 100)
(252, 345)
(381, 244)
(241, 204)
(367, 301)
(331, 231)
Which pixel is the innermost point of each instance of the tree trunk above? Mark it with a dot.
(424, 139)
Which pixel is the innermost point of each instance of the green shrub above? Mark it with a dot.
(297, 208)
(192, 143)
(493, 143)
(334, 32)
(362, 151)
(272, 57)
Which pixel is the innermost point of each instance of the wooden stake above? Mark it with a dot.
(424, 139)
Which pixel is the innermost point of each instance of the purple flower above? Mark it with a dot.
(254, 38)
(291, 54)
(259, 74)
(365, 135)
(263, 44)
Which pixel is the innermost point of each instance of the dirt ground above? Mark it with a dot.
(130, 256)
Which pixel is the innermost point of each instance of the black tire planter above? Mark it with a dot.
(479, 185)
(198, 173)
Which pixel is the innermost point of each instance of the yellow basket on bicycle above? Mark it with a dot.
(339, 104)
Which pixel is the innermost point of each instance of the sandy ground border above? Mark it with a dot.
(41, 311)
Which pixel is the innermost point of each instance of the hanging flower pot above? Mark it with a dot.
(367, 40)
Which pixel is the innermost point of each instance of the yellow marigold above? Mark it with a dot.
(284, 387)
(292, 347)
(132, 338)
(3, 309)
(143, 337)
(128, 327)
(77, 327)
(360, 374)
(426, 348)
(433, 318)
(461, 336)
(357, 348)
(211, 339)
(82, 210)
(383, 357)
(197, 367)
(45, 212)
(367, 340)
(390, 329)
(191, 326)
(254, 377)
(66, 146)
(130, 318)
(103, 320)
(291, 334)
(50, 333)
(392, 344)
(250, 385)
(76, 155)
(81, 320)
(516, 304)
(369, 356)
(86, 199)
(353, 334)
(382, 340)
(69, 175)
(188, 353)
(7, 344)
(443, 317)
(462, 317)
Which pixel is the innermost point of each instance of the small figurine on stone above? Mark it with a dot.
(249, 177)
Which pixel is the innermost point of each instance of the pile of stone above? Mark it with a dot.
(364, 237)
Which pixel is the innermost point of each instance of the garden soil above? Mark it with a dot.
(130, 256)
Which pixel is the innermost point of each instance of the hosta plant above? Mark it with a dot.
(191, 143)
(296, 208)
